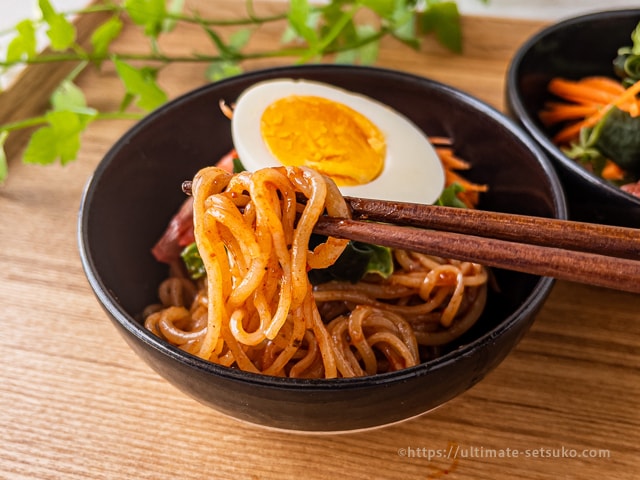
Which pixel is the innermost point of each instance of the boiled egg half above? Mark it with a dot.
(367, 148)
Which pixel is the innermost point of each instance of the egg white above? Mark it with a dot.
(412, 169)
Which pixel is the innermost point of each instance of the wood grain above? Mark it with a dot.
(78, 404)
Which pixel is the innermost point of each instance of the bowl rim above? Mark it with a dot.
(109, 302)
(514, 97)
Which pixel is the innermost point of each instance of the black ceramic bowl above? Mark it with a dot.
(574, 48)
(136, 189)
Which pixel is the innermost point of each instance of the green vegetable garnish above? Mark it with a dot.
(380, 259)
(238, 166)
(356, 261)
(627, 64)
(586, 153)
(449, 196)
(193, 261)
(617, 136)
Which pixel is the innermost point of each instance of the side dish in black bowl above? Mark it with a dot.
(571, 58)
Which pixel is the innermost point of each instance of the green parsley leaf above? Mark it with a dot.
(175, 8)
(239, 39)
(68, 96)
(288, 35)
(225, 51)
(61, 32)
(347, 57)
(291, 35)
(23, 46)
(223, 69)
(46, 9)
(365, 55)
(443, 19)
(404, 25)
(384, 8)
(229, 52)
(300, 19)
(59, 139)
(104, 35)
(141, 83)
(368, 54)
(150, 14)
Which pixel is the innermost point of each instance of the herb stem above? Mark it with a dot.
(226, 23)
(119, 116)
(333, 33)
(302, 52)
(252, 18)
(42, 120)
(21, 124)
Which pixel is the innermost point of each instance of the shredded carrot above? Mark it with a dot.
(450, 160)
(440, 141)
(470, 195)
(453, 177)
(570, 132)
(605, 84)
(560, 112)
(579, 92)
(611, 171)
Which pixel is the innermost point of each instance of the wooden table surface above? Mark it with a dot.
(75, 402)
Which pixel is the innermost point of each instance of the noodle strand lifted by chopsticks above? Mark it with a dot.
(254, 217)
(256, 309)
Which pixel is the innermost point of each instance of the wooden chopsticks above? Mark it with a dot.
(586, 237)
(600, 255)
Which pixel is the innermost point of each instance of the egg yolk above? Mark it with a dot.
(327, 136)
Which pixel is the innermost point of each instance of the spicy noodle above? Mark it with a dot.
(257, 310)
